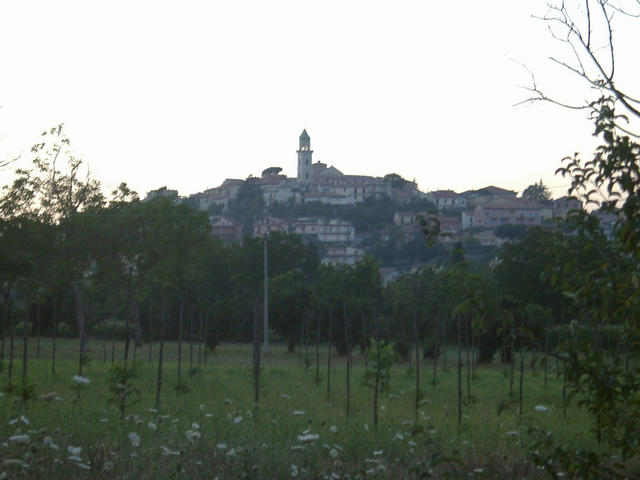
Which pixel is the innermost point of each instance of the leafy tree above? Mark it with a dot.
(248, 203)
(271, 171)
(537, 192)
(521, 267)
(289, 302)
(64, 198)
(602, 283)
(395, 180)
(511, 232)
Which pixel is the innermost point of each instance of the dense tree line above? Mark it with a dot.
(113, 266)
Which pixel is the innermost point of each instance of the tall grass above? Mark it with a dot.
(216, 430)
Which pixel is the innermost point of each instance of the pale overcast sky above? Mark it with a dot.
(186, 94)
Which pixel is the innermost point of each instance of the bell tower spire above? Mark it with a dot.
(304, 158)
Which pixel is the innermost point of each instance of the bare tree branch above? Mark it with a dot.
(580, 37)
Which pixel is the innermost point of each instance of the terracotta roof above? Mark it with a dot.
(512, 203)
(443, 194)
(491, 190)
(232, 181)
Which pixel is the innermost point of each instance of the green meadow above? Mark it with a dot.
(207, 425)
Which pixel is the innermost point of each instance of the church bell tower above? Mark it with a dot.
(304, 158)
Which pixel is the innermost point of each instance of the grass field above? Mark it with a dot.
(213, 430)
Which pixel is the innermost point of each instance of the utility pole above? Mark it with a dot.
(266, 298)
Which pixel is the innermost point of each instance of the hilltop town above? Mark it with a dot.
(348, 216)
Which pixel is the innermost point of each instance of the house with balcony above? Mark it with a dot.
(446, 199)
(323, 230)
(342, 255)
(264, 225)
(515, 211)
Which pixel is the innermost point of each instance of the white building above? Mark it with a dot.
(324, 230)
(342, 255)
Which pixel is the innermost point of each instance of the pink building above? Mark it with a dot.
(515, 211)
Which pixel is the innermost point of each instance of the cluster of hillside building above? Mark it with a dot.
(475, 212)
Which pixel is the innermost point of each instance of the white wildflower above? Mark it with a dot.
(83, 465)
(104, 420)
(377, 453)
(81, 380)
(134, 438)
(48, 442)
(74, 450)
(221, 446)
(294, 470)
(24, 419)
(541, 408)
(192, 435)
(237, 420)
(366, 427)
(166, 451)
(478, 470)
(20, 438)
(285, 396)
(308, 437)
(195, 426)
(298, 412)
(152, 426)
(75, 458)
(399, 436)
(333, 429)
(227, 401)
(209, 415)
(333, 452)
(412, 444)
(201, 407)
(232, 452)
